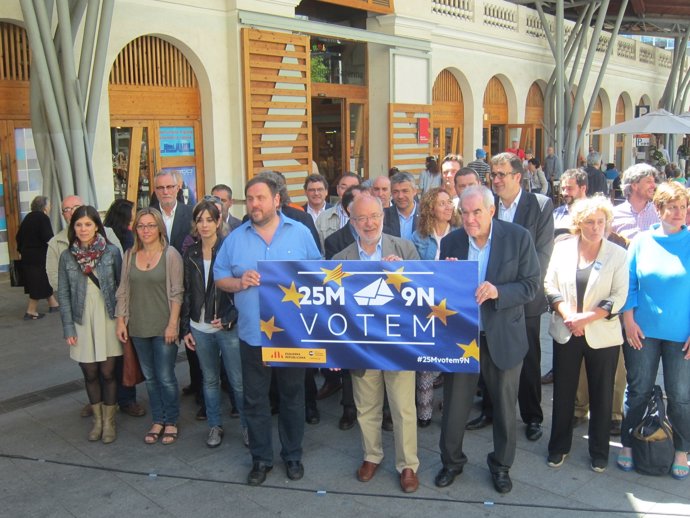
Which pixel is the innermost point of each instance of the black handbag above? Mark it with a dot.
(652, 438)
(16, 273)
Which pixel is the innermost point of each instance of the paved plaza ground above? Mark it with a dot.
(49, 469)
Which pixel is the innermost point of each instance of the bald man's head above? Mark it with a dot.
(69, 204)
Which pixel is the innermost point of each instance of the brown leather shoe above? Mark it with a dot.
(366, 471)
(86, 411)
(327, 390)
(134, 409)
(408, 480)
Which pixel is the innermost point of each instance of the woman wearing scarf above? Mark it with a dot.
(89, 273)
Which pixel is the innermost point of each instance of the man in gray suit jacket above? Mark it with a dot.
(508, 279)
(366, 216)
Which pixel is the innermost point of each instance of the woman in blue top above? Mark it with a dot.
(657, 324)
(437, 218)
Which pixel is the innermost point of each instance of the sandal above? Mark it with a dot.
(153, 434)
(169, 437)
(31, 316)
(625, 463)
(680, 471)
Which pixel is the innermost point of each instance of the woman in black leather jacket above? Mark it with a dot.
(208, 318)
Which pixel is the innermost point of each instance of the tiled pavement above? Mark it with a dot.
(49, 469)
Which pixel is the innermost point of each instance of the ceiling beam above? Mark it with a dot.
(638, 7)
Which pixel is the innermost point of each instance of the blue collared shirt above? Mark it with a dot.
(244, 248)
(481, 255)
(561, 217)
(407, 223)
(508, 213)
(376, 256)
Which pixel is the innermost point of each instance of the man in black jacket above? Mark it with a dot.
(534, 212)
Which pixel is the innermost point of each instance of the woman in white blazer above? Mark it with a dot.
(586, 285)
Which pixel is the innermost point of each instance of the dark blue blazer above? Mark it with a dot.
(514, 269)
(182, 224)
(391, 220)
(535, 213)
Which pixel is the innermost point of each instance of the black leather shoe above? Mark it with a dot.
(446, 476)
(294, 469)
(387, 423)
(502, 482)
(312, 415)
(534, 431)
(348, 419)
(257, 475)
(479, 422)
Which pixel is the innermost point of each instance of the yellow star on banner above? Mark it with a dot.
(441, 312)
(292, 295)
(396, 278)
(269, 327)
(471, 350)
(336, 275)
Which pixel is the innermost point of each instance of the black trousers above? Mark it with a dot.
(529, 393)
(347, 396)
(256, 381)
(600, 366)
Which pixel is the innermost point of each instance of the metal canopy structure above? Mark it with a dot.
(663, 18)
(563, 98)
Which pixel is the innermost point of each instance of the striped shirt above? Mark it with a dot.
(627, 223)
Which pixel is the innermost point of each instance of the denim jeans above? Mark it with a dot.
(210, 348)
(157, 360)
(642, 366)
(256, 378)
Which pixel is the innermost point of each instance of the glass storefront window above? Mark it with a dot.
(338, 62)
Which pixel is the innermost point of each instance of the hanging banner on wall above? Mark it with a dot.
(406, 315)
(423, 130)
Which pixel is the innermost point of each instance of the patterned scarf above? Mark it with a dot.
(88, 257)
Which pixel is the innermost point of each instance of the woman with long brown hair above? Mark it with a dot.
(89, 273)
(148, 310)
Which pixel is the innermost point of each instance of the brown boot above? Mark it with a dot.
(109, 434)
(97, 430)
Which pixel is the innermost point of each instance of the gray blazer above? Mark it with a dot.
(72, 286)
(514, 269)
(389, 246)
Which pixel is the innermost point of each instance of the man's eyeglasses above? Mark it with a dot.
(67, 210)
(166, 187)
(365, 219)
(501, 176)
(149, 226)
(315, 189)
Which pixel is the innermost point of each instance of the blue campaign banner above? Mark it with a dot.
(405, 315)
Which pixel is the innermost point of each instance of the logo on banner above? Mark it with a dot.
(375, 294)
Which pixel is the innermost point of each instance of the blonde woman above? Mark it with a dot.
(586, 285)
(148, 311)
(437, 218)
